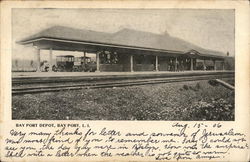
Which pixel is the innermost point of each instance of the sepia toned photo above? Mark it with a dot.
(124, 80)
(123, 64)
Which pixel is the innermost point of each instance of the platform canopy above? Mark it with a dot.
(125, 41)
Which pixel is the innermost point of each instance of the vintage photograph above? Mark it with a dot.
(123, 64)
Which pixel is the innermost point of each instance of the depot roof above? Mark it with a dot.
(128, 38)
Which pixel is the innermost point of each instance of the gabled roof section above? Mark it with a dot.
(67, 33)
(124, 37)
(132, 37)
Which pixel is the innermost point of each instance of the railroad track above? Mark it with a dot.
(46, 87)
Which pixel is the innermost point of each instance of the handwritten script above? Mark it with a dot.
(183, 142)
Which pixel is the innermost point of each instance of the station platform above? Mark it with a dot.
(110, 74)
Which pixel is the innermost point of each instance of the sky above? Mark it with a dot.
(208, 28)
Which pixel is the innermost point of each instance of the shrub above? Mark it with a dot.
(213, 83)
(217, 109)
(185, 87)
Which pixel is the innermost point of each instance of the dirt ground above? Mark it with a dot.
(195, 100)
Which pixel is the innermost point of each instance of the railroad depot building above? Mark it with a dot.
(125, 51)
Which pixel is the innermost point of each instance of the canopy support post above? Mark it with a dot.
(204, 65)
(156, 63)
(214, 65)
(175, 65)
(191, 64)
(97, 62)
(50, 59)
(38, 63)
(223, 65)
(84, 59)
(131, 64)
